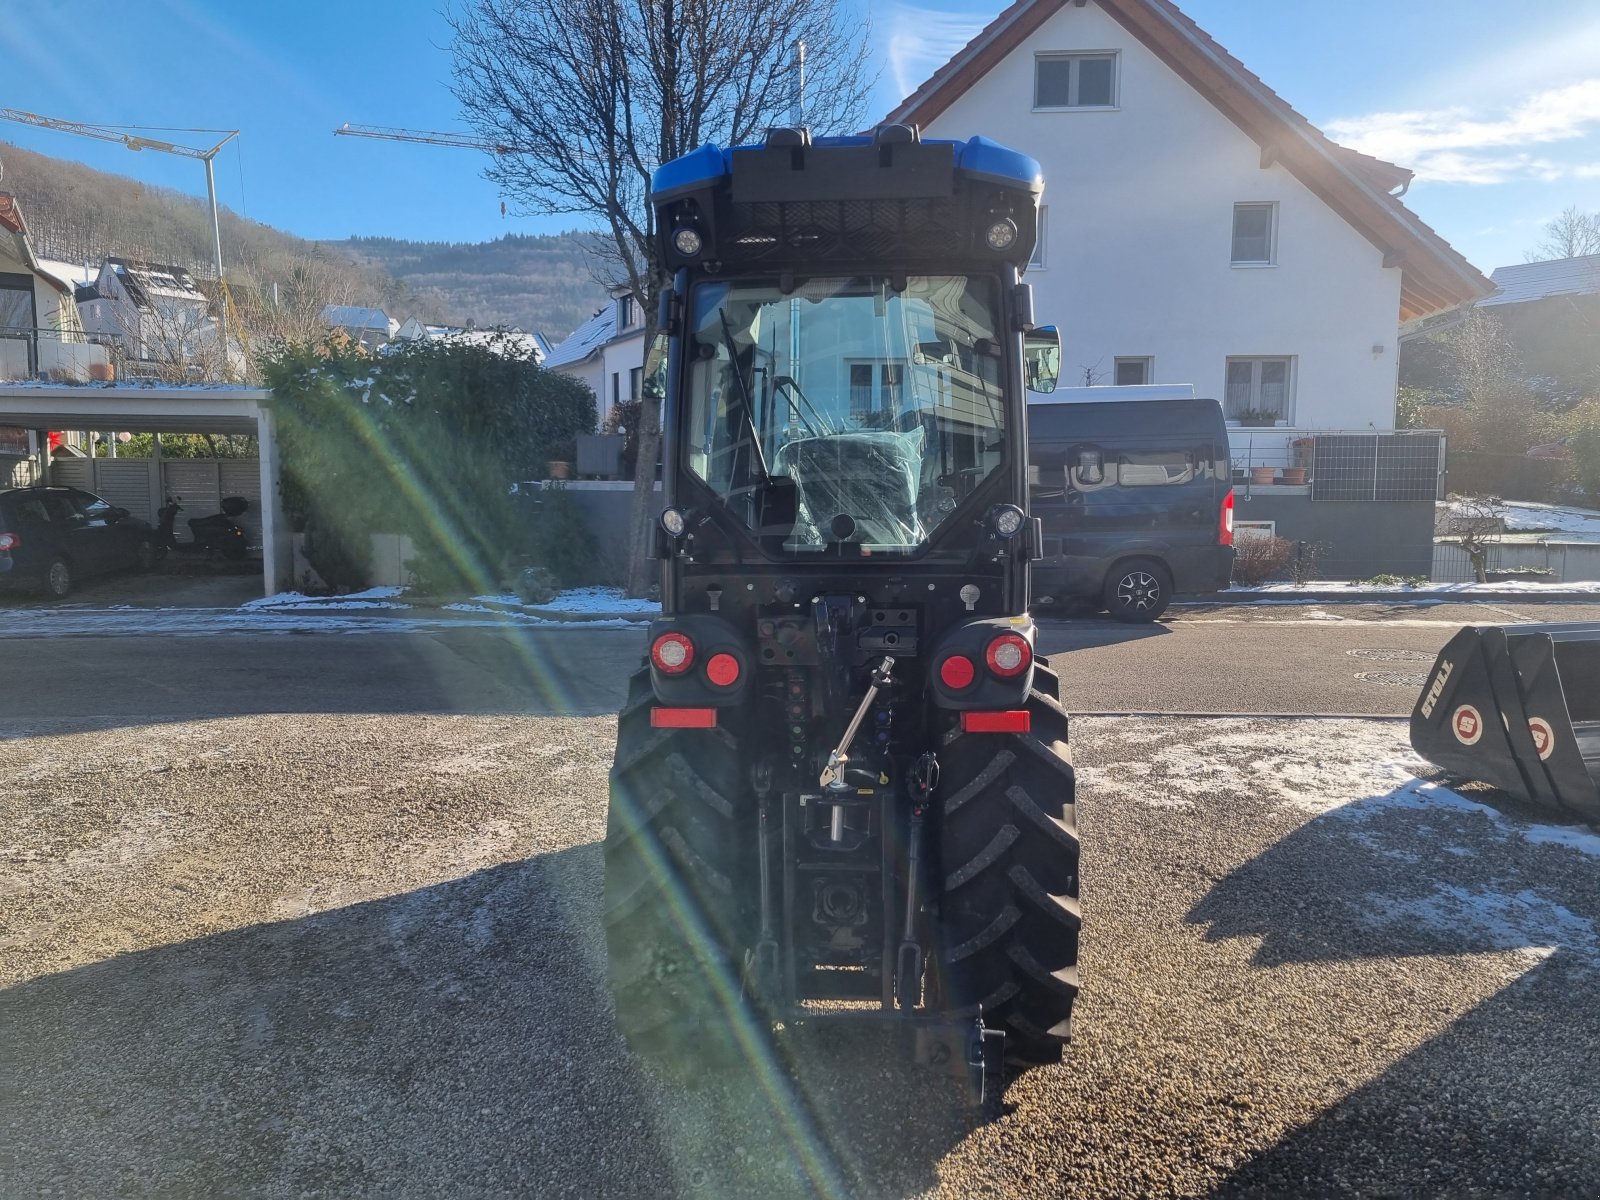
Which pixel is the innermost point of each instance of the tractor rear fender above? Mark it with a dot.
(988, 689)
(1519, 707)
(710, 636)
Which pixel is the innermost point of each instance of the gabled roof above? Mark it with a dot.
(585, 339)
(144, 280)
(1357, 186)
(15, 229)
(354, 316)
(1541, 280)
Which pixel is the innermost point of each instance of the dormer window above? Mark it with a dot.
(1075, 81)
(627, 312)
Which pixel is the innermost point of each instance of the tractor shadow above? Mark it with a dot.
(1492, 1104)
(454, 1039)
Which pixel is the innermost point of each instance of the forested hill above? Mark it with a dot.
(80, 215)
(543, 283)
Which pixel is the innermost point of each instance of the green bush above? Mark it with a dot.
(1584, 446)
(424, 440)
(559, 538)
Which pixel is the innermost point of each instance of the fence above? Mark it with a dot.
(1567, 562)
(1338, 465)
(72, 356)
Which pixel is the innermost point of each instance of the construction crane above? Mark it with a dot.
(430, 137)
(134, 137)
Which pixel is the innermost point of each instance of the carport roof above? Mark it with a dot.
(135, 408)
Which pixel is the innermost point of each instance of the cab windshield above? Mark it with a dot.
(844, 411)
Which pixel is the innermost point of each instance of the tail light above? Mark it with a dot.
(9, 541)
(722, 670)
(1008, 655)
(1225, 521)
(672, 653)
(957, 672)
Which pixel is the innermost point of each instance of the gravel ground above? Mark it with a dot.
(358, 955)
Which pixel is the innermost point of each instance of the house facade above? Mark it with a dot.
(606, 352)
(372, 327)
(1196, 229)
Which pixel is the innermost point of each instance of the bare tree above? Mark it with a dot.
(1475, 523)
(584, 98)
(1571, 235)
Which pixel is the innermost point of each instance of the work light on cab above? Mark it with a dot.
(1006, 519)
(687, 241)
(672, 653)
(1008, 655)
(1001, 234)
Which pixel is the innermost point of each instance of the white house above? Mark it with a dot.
(1196, 229)
(160, 316)
(509, 341)
(607, 353)
(41, 330)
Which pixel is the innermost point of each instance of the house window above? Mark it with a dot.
(1038, 246)
(616, 388)
(1134, 371)
(627, 311)
(636, 383)
(1075, 81)
(1259, 389)
(1255, 228)
(876, 387)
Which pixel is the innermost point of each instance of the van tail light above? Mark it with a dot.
(683, 718)
(9, 541)
(1225, 521)
(1009, 655)
(957, 673)
(722, 670)
(672, 653)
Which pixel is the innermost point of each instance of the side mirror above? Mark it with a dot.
(1041, 359)
(117, 514)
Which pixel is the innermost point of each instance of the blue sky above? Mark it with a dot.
(1497, 109)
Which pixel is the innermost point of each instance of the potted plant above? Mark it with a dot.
(562, 456)
(1263, 475)
(1259, 417)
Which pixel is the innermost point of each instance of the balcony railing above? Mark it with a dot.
(1338, 464)
(60, 355)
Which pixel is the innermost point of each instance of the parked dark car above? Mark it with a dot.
(51, 537)
(1135, 499)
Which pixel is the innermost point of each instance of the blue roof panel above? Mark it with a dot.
(977, 156)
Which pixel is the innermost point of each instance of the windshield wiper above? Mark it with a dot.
(744, 395)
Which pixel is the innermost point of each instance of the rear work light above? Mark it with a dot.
(672, 653)
(1225, 522)
(9, 541)
(1008, 655)
(722, 670)
(683, 718)
(1015, 720)
(957, 672)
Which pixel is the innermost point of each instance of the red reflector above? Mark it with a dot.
(687, 718)
(956, 672)
(1014, 720)
(722, 670)
(1225, 527)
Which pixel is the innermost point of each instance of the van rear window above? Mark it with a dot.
(1155, 468)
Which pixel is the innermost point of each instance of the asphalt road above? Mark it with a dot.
(1281, 659)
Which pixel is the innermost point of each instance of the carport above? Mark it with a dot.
(41, 407)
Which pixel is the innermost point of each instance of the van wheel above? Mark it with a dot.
(1138, 590)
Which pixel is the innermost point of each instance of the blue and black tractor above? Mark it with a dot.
(842, 784)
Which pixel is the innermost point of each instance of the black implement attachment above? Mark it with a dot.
(1519, 707)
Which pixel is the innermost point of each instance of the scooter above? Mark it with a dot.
(217, 534)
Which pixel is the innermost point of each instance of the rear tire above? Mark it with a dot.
(1138, 591)
(675, 889)
(58, 579)
(1009, 914)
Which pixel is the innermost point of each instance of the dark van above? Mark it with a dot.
(1134, 495)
